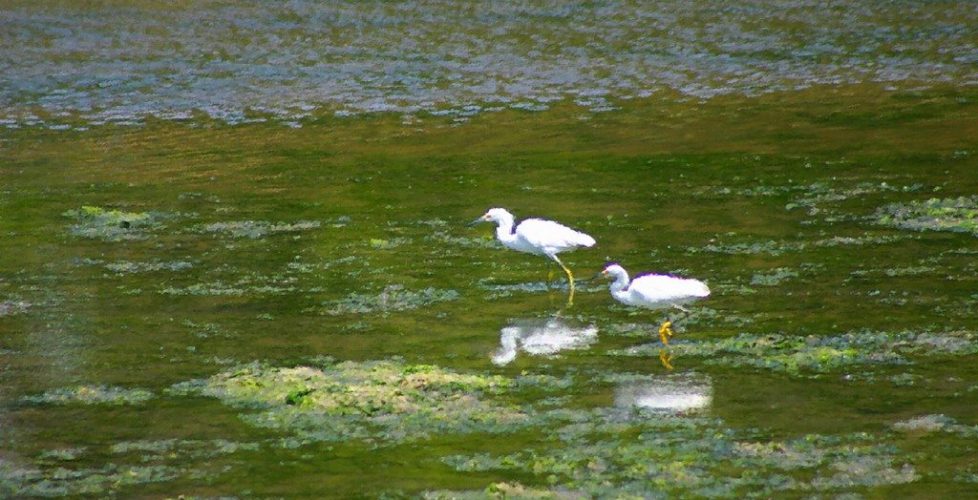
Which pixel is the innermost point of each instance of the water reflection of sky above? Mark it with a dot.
(254, 60)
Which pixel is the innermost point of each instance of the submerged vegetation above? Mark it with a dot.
(391, 298)
(811, 355)
(92, 394)
(936, 214)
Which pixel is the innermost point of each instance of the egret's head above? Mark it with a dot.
(496, 215)
(612, 270)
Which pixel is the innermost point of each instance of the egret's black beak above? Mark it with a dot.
(601, 274)
(477, 221)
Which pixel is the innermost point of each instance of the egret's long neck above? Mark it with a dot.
(504, 231)
(620, 283)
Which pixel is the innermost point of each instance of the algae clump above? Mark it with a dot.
(384, 402)
(936, 214)
(111, 224)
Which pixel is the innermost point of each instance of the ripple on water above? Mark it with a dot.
(283, 62)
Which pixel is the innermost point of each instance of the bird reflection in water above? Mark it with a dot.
(542, 337)
(671, 393)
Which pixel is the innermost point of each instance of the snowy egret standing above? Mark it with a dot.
(654, 291)
(537, 236)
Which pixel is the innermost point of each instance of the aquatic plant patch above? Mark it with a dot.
(257, 229)
(112, 224)
(813, 355)
(92, 395)
(927, 424)
(380, 402)
(773, 278)
(58, 472)
(391, 298)
(936, 214)
(642, 454)
(128, 267)
(21, 482)
(11, 307)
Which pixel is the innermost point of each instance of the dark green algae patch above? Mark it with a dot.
(812, 356)
(958, 215)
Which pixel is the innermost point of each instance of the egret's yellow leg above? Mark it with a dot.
(665, 331)
(570, 279)
(665, 358)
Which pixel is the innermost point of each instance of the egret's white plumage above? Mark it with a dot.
(654, 291)
(538, 237)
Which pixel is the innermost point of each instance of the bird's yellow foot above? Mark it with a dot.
(665, 358)
(665, 331)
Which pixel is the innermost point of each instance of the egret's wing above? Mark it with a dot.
(549, 234)
(660, 288)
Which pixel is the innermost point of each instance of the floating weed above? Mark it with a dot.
(774, 278)
(219, 288)
(257, 229)
(811, 355)
(12, 307)
(382, 402)
(92, 394)
(642, 454)
(391, 298)
(61, 454)
(928, 424)
(23, 482)
(127, 267)
(113, 225)
(776, 248)
(895, 271)
(936, 214)
(248, 284)
(387, 244)
(192, 449)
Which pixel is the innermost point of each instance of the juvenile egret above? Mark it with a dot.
(654, 291)
(537, 236)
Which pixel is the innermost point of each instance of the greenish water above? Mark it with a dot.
(144, 268)
(234, 259)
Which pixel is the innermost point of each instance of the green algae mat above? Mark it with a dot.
(269, 290)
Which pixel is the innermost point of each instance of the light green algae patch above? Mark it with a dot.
(380, 402)
(92, 395)
(113, 225)
(391, 298)
(22, 482)
(258, 229)
(936, 214)
(814, 355)
(636, 454)
(928, 424)
(773, 278)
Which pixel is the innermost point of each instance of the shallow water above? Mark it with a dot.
(208, 307)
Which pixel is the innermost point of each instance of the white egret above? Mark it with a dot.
(537, 236)
(655, 291)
